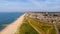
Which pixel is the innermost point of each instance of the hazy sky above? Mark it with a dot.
(29, 5)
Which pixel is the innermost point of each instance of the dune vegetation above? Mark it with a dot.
(33, 26)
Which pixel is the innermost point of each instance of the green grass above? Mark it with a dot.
(28, 27)
(59, 27)
(44, 27)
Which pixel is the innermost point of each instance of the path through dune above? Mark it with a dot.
(12, 28)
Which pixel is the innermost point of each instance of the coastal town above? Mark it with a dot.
(47, 17)
(35, 23)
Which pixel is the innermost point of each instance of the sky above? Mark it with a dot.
(29, 5)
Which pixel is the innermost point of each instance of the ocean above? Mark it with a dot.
(8, 17)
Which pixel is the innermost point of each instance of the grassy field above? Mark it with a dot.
(32, 26)
(59, 27)
(26, 29)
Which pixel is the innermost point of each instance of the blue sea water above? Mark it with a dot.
(8, 17)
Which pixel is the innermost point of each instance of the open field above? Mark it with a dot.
(26, 29)
(32, 26)
(59, 28)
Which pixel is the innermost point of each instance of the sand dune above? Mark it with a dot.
(12, 28)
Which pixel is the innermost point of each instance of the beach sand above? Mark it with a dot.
(12, 28)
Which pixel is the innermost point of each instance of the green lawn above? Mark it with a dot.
(32, 26)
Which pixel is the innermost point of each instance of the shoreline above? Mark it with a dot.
(12, 28)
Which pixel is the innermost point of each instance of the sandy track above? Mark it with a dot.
(12, 28)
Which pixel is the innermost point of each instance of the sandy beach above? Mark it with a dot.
(12, 28)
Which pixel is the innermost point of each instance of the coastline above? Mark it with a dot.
(12, 28)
